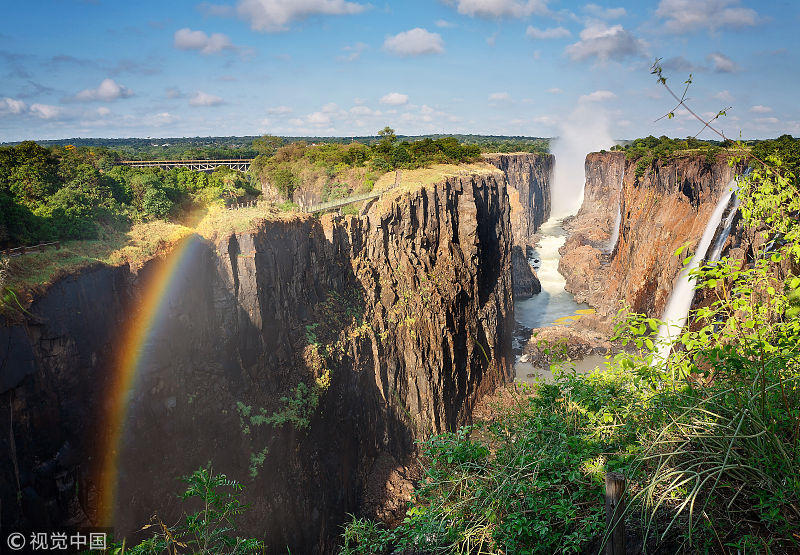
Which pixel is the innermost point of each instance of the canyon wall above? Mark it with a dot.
(399, 320)
(529, 176)
(661, 210)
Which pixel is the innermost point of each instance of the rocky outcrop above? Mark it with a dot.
(661, 210)
(529, 178)
(526, 284)
(399, 320)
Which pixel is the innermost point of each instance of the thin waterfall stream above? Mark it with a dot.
(612, 241)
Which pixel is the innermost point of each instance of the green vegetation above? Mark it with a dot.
(214, 148)
(61, 193)
(651, 149)
(300, 171)
(709, 438)
(205, 532)
(782, 153)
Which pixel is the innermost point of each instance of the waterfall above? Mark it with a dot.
(676, 312)
(612, 241)
(719, 243)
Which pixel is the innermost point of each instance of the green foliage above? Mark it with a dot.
(284, 168)
(208, 531)
(529, 482)
(298, 409)
(785, 149)
(650, 149)
(72, 193)
(707, 435)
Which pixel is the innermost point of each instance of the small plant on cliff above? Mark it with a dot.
(208, 531)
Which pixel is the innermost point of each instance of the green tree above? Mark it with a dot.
(156, 203)
(34, 175)
(267, 145)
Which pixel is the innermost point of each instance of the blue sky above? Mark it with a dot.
(107, 68)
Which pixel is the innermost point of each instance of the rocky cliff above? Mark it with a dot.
(529, 178)
(396, 322)
(659, 211)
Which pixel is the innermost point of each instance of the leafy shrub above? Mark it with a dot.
(208, 531)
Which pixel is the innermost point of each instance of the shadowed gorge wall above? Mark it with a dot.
(529, 178)
(406, 308)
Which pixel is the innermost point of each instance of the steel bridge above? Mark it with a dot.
(241, 164)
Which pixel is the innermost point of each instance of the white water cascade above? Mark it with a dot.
(680, 300)
(554, 302)
(612, 241)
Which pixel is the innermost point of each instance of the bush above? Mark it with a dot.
(208, 531)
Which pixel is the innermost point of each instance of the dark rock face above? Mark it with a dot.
(526, 284)
(661, 211)
(529, 178)
(415, 299)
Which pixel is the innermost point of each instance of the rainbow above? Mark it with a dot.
(139, 329)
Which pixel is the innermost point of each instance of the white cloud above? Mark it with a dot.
(107, 90)
(721, 63)
(280, 110)
(204, 99)
(45, 111)
(11, 106)
(274, 15)
(552, 33)
(394, 99)
(545, 120)
(353, 52)
(679, 63)
(364, 111)
(103, 111)
(500, 8)
(161, 119)
(499, 97)
(444, 24)
(724, 96)
(597, 96)
(604, 13)
(767, 120)
(173, 92)
(415, 42)
(605, 43)
(186, 39)
(684, 16)
(318, 119)
(555, 90)
(759, 109)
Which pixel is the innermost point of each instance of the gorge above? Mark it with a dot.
(395, 321)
